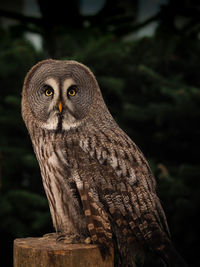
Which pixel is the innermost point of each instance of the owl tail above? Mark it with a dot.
(171, 257)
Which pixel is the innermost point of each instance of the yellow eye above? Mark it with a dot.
(71, 92)
(49, 92)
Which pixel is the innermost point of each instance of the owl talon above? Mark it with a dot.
(73, 239)
(61, 238)
(50, 235)
(88, 240)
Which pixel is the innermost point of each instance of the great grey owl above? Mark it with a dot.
(97, 181)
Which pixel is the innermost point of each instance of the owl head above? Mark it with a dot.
(59, 94)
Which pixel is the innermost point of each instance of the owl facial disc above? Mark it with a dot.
(60, 94)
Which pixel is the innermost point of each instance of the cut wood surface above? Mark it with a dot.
(46, 252)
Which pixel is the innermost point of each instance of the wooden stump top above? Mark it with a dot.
(46, 252)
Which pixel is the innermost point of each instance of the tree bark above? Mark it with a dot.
(40, 252)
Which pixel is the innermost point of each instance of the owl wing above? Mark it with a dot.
(128, 190)
(96, 217)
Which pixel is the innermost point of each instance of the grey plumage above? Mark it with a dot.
(96, 179)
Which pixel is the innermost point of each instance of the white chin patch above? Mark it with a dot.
(51, 124)
(69, 123)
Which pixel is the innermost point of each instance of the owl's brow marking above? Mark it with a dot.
(53, 83)
(67, 83)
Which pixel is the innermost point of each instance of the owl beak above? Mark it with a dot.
(60, 106)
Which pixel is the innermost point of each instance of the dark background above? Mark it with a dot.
(146, 57)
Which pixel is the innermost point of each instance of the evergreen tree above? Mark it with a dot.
(151, 86)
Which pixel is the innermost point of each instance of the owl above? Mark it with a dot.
(98, 183)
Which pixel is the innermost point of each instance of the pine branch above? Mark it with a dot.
(20, 17)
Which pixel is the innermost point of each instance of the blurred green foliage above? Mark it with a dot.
(152, 88)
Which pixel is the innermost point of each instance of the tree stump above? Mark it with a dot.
(46, 252)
